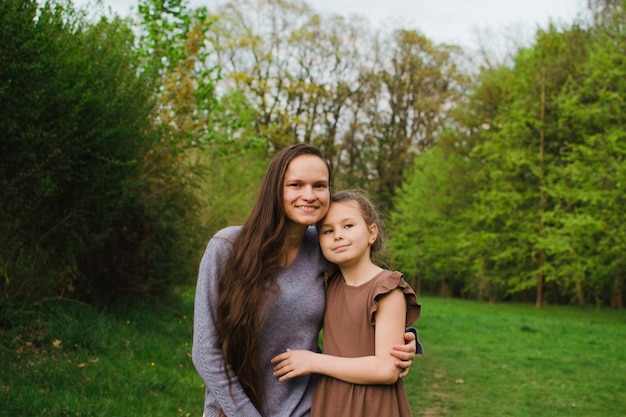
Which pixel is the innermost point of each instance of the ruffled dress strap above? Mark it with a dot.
(388, 281)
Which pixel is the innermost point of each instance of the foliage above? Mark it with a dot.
(429, 202)
(312, 78)
(75, 129)
(132, 141)
(100, 195)
(208, 142)
(590, 187)
(534, 163)
(235, 160)
(405, 102)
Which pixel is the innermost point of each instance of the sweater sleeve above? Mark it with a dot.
(205, 355)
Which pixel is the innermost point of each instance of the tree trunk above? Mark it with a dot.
(444, 288)
(580, 293)
(617, 292)
(542, 195)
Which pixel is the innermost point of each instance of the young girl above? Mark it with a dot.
(367, 308)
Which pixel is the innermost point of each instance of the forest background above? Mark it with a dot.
(127, 142)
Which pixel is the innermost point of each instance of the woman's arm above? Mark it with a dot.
(205, 355)
(380, 368)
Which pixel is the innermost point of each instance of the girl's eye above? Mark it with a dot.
(347, 226)
(327, 231)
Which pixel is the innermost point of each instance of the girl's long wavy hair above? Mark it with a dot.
(249, 276)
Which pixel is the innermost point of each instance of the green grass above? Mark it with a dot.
(517, 360)
(134, 361)
(481, 360)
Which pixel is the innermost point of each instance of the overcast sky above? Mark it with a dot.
(451, 21)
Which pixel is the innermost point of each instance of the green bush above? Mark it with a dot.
(84, 207)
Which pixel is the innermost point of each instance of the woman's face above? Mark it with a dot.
(306, 192)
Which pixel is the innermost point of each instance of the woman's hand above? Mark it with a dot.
(405, 353)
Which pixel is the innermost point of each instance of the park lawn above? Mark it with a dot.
(481, 360)
(516, 360)
(132, 361)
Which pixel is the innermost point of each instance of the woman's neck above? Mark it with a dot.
(295, 236)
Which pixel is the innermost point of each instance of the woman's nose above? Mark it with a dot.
(308, 193)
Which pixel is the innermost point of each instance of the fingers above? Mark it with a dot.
(284, 371)
(406, 351)
(407, 348)
(282, 363)
(290, 364)
(404, 364)
(278, 358)
(281, 367)
(403, 355)
(281, 372)
(402, 352)
(283, 356)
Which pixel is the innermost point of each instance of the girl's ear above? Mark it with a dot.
(373, 232)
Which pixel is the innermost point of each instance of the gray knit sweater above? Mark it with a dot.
(293, 321)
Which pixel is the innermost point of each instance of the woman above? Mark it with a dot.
(260, 291)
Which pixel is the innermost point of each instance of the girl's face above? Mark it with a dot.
(306, 192)
(344, 236)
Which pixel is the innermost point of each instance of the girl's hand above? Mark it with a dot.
(405, 353)
(294, 363)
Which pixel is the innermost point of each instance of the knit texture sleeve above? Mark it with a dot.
(206, 356)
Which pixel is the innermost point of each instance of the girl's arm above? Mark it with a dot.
(377, 369)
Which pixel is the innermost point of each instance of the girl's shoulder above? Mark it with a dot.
(387, 281)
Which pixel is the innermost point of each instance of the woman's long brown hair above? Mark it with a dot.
(249, 276)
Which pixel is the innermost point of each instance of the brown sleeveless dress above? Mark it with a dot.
(349, 331)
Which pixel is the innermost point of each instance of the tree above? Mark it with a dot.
(75, 128)
(590, 185)
(534, 169)
(426, 225)
(409, 92)
(310, 78)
